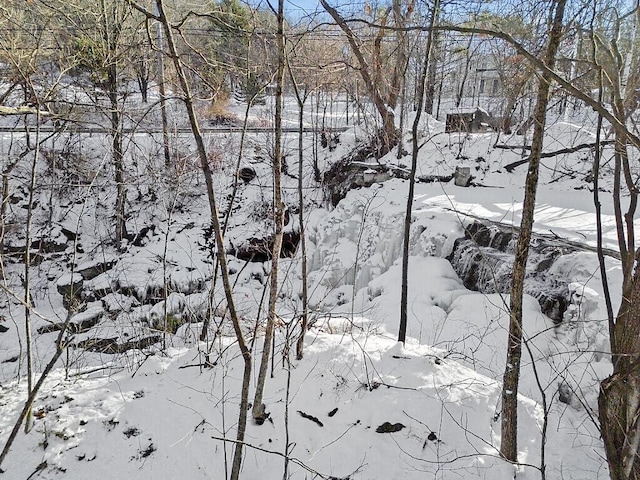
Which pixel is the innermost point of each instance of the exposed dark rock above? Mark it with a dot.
(565, 393)
(142, 237)
(152, 294)
(140, 344)
(111, 424)
(145, 452)
(330, 140)
(111, 346)
(434, 178)
(246, 173)
(70, 287)
(260, 249)
(355, 171)
(16, 198)
(3, 329)
(349, 171)
(73, 327)
(347, 174)
(489, 236)
(17, 253)
(286, 218)
(131, 432)
(554, 303)
(71, 236)
(49, 246)
(476, 121)
(483, 260)
(371, 386)
(387, 427)
(333, 412)
(290, 242)
(462, 176)
(91, 270)
(93, 294)
(101, 345)
(56, 242)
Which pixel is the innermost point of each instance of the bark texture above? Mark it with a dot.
(370, 73)
(404, 300)
(511, 378)
(217, 228)
(619, 399)
(259, 413)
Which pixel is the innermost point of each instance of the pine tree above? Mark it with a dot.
(252, 90)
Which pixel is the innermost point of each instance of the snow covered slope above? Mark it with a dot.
(358, 405)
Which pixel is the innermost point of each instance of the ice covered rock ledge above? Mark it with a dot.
(361, 239)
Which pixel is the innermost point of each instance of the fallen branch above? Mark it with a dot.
(23, 110)
(583, 146)
(293, 460)
(310, 417)
(32, 396)
(554, 236)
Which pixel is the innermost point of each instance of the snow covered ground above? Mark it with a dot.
(162, 413)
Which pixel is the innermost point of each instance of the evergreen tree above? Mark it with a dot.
(252, 90)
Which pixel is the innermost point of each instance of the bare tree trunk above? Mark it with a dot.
(33, 392)
(301, 98)
(287, 399)
(234, 193)
(624, 227)
(27, 272)
(389, 134)
(163, 95)
(402, 330)
(619, 400)
(111, 32)
(509, 414)
(463, 82)
(258, 412)
(220, 251)
(3, 208)
(403, 114)
(430, 88)
(304, 316)
(61, 346)
(118, 160)
(399, 71)
(142, 77)
(598, 211)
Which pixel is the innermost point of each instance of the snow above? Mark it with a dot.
(69, 280)
(94, 429)
(171, 410)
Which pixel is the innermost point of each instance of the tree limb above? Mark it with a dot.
(535, 61)
(22, 110)
(583, 146)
